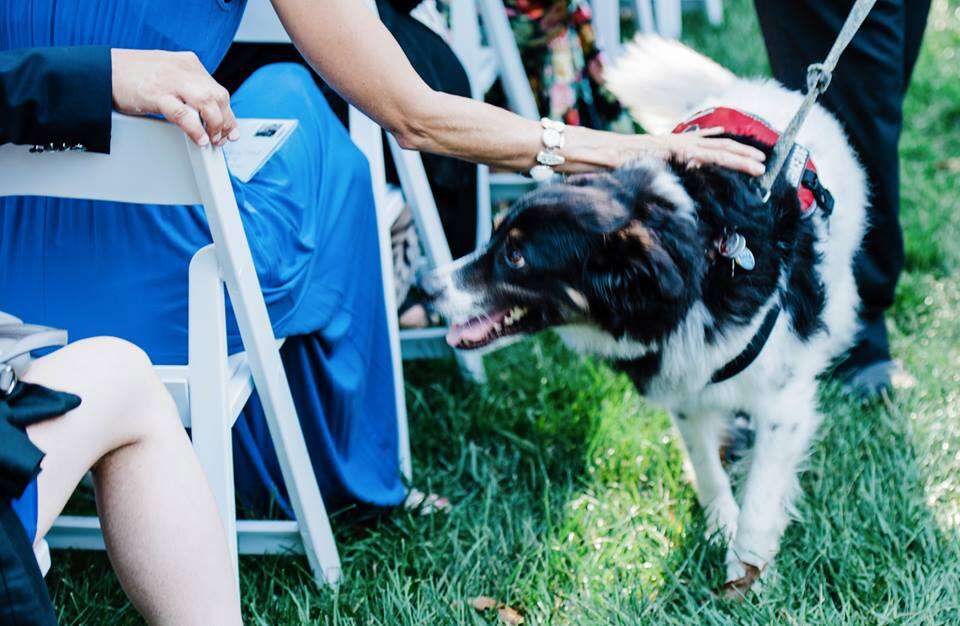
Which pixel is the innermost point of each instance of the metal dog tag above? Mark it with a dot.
(735, 247)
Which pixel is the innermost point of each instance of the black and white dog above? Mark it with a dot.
(634, 266)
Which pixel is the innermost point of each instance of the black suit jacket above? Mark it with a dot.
(58, 98)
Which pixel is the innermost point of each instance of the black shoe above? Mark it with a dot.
(869, 383)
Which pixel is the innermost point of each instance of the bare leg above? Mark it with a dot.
(160, 522)
(784, 431)
(702, 437)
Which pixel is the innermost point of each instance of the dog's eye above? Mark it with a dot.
(514, 258)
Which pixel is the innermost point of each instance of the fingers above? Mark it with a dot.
(213, 103)
(731, 160)
(231, 130)
(708, 150)
(176, 111)
(741, 149)
(723, 152)
(212, 118)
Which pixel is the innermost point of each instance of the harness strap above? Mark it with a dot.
(743, 360)
(818, 79)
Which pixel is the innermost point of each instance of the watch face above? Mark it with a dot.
(551, 138)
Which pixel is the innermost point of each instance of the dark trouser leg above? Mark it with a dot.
(867, 96)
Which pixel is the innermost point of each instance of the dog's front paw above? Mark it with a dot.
(722, 513)
(741, 578)
(745, 572)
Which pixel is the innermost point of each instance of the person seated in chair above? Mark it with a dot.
(96, 405)
(309, 215)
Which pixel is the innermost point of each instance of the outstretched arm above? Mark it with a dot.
(357, 56)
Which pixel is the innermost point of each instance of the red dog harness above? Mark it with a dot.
(799, 170)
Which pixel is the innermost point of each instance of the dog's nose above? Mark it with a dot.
(432, 284)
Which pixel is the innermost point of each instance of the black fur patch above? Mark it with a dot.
(641, 371)
(781, 239)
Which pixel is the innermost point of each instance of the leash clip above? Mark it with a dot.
(818, 78)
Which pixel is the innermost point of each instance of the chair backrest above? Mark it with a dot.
(132, 172)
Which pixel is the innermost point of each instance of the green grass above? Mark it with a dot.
(570, 502)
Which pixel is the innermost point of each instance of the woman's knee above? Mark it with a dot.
(117, 382)
(148, 405)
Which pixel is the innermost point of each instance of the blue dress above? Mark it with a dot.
(100, 268)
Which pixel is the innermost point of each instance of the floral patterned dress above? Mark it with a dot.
(564, 64)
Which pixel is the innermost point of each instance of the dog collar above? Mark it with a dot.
(799, 170)
(743, 360)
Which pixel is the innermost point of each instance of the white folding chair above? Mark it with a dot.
(152, 162)
(260, 24)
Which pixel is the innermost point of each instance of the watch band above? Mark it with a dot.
(550, 157)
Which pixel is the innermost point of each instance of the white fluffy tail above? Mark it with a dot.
(661, 81)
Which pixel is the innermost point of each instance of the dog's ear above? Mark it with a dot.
(630, 261)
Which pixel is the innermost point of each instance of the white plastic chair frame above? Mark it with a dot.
(260, 24)
(152, 162)
(661, 16)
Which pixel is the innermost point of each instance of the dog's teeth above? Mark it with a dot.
(497, 327)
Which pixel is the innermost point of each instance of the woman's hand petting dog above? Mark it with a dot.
(176, 86)
(702, 147)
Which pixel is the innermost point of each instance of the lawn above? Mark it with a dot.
(570, 499)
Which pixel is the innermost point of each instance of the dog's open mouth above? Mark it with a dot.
(478, 332)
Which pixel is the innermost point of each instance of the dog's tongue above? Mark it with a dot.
(475, 329)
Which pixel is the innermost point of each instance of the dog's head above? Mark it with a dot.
(617, 251)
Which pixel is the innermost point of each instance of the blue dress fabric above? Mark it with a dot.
(106, 268)
(26, 509)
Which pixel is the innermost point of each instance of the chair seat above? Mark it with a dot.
(424, 343)
(239, 385)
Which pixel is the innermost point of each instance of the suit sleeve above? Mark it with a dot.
(60, 96)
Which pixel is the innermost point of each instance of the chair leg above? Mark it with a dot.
(714, 11)
(239, 274)
(393, 331)
(484, 206)
(209, 407)
(512, 75)
(645, 21)
(669, 18)
(606, 19)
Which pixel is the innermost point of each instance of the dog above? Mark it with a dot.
(634, 266)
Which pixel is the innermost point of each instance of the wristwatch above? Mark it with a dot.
(550, 157)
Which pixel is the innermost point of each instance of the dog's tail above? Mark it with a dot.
(661, 81)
